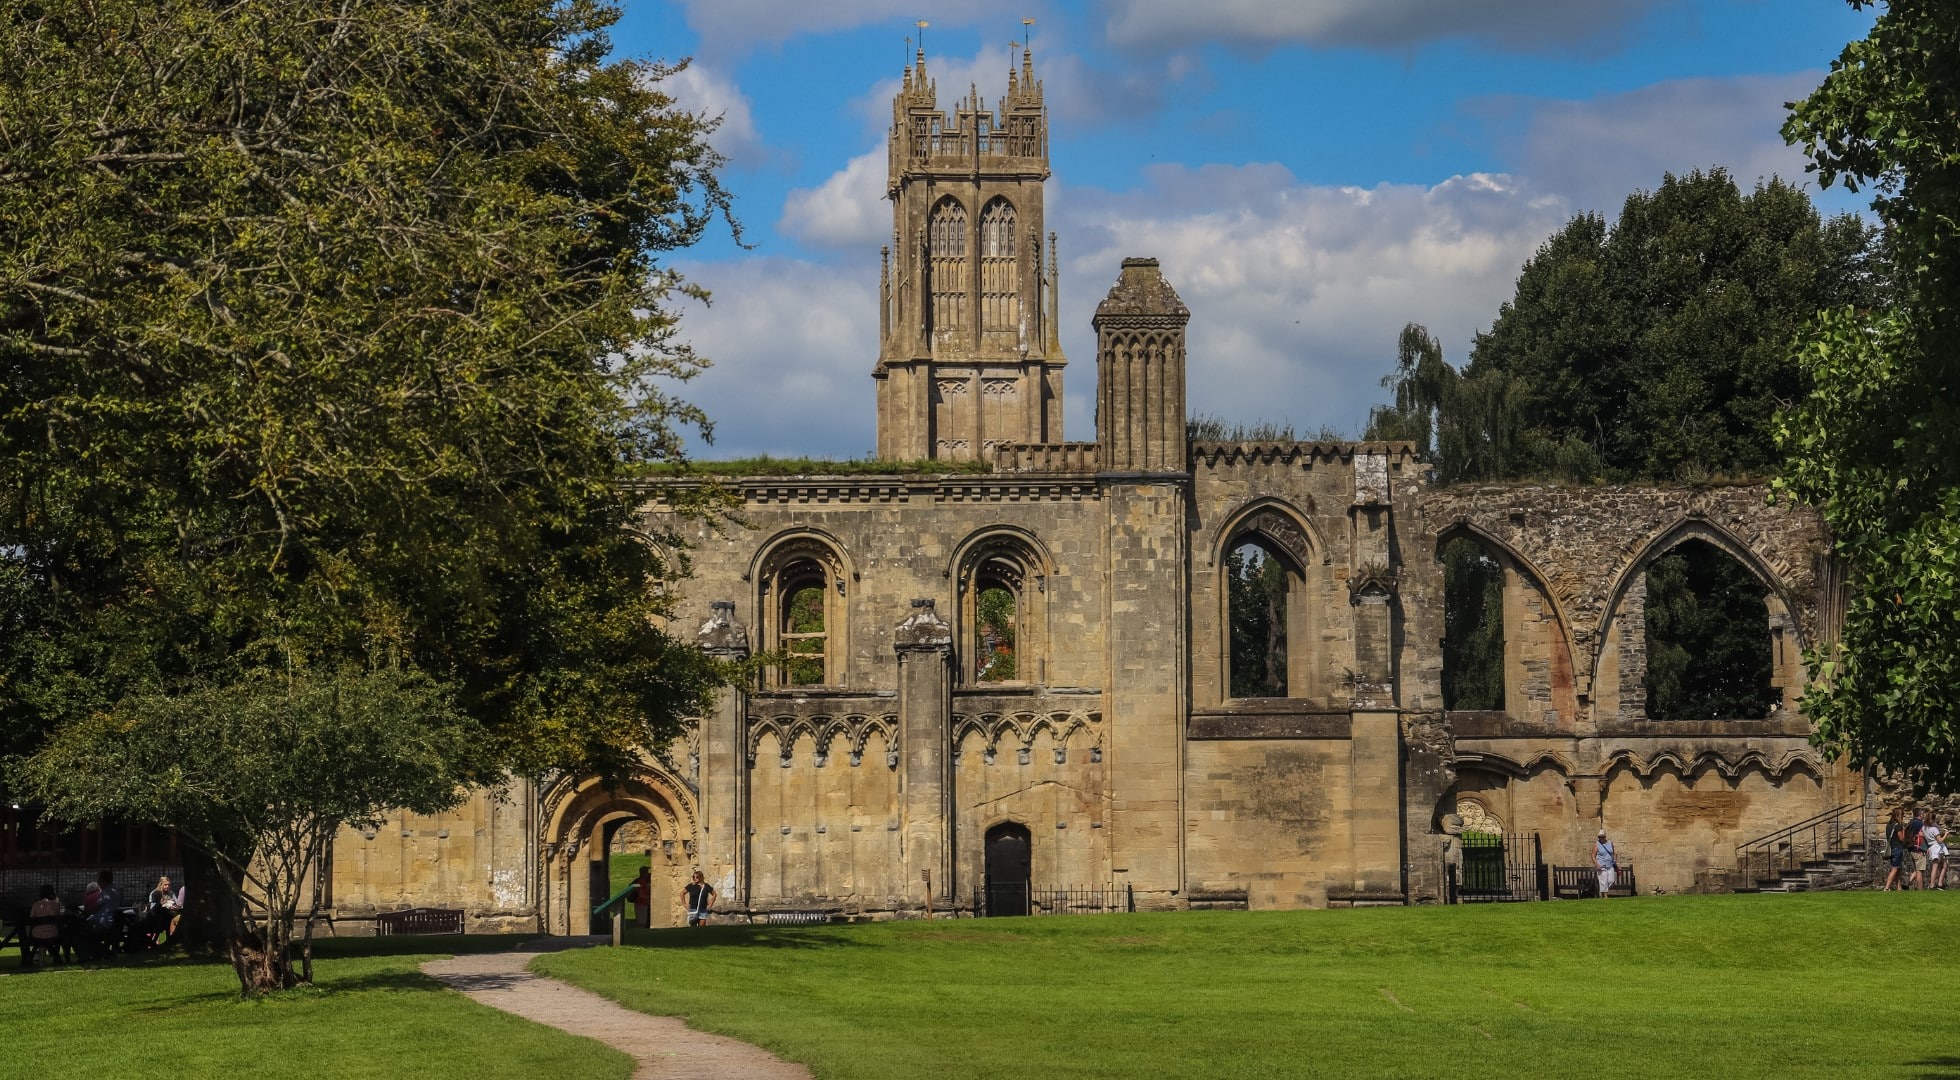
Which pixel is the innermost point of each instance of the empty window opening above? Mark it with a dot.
(1473, 627)
(1259, 614)
(803, 635)
(1708, 639)
(996, 620)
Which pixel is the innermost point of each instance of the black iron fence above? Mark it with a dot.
(1020, 898)
(1498, 869)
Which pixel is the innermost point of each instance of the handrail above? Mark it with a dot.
(1786, 851)
(1809, 822)
(617, 897)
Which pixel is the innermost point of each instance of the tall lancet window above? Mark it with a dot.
(1000, 278)
(946, 246)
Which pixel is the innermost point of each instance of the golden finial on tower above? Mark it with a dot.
(922, 24)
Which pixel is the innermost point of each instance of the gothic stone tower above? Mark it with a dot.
(969, 357)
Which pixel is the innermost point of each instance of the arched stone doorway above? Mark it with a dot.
(583, 818)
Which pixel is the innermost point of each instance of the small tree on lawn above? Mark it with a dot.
(271, 766)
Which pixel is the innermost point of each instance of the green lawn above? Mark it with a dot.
(1819, 985)
(371, 1016)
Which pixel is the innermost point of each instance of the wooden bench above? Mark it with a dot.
(419, 921)
(1582, 882)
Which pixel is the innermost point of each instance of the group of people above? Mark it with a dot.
(101, 924)
(1920, 839)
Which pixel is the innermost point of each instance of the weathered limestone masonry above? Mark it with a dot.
(906, 747)
(1578, 748)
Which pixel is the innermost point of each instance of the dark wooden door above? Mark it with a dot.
(1008, 863)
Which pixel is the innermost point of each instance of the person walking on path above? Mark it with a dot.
(1916, 848)
(1895, 839)
(1606, 862)
(700, 898)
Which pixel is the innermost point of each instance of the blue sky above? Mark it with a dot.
(1313, 173)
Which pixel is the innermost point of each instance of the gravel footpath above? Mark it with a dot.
(665, 1048)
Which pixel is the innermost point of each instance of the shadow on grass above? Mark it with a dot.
(753, 937)
(1941, 1068)
(332, 948)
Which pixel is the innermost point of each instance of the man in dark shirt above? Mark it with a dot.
(700, 897)
(1916, 848)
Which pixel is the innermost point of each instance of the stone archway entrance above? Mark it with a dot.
(587, 824)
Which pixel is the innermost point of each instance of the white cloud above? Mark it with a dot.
(1080, 94)
(1520, 25)
(848, 211)
(1297, 291)
(736, 25)
(792, 345)
(705, 91)
(1597, 151)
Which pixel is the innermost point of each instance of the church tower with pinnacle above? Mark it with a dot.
(969, 357)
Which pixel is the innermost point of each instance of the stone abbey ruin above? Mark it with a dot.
(1024, 678)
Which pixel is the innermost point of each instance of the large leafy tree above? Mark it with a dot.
(1655, 347)
(327, 335)
(1873, 443)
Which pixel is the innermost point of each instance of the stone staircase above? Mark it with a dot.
(1841, 869)
(1828, 851)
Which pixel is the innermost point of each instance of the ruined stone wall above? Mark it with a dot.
(479, 857)
(1677, 796)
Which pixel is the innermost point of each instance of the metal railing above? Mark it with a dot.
(1004, 898)
(1498, 869)
(1801, 847)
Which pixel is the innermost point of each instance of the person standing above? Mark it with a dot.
(1895, 839)
(1916, 847)
(1607, 863)
(700, 899)
(1935, 851)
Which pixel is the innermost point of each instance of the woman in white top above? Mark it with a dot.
(1935, 853)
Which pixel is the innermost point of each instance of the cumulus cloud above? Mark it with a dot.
(705, 91)
(1297, 291)
(733, 25)
(847, 212)
(1597, 151)
(1512, 25)
(1080, 94)
(792, 344)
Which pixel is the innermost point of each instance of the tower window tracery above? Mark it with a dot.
(946, 246)
(1000, 279)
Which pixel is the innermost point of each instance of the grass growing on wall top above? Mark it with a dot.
(802, 466)
(1818, 985)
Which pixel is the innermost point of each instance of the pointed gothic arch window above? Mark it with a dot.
(1709, 649)
(1270, 583)
(1003, 596)
(946, 250)
(1473, 626)
(1000, 293)
(802, 606)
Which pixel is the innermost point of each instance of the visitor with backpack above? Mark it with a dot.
(1895, 839)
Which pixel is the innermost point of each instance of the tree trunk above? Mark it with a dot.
(211, 914)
